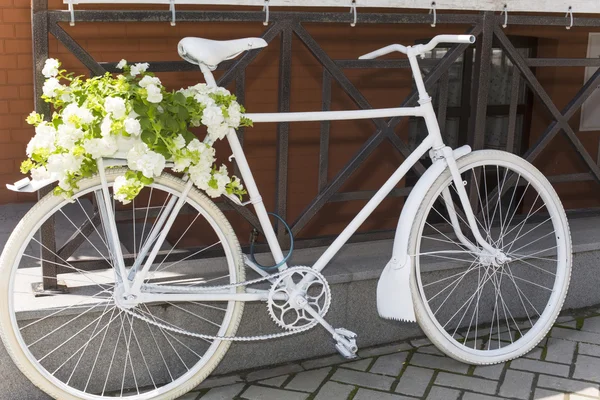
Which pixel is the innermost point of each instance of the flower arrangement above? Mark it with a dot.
(131, 114)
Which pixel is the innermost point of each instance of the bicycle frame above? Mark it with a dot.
(432, 143)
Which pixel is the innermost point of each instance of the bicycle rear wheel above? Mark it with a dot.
(74, 342)
(476, 308)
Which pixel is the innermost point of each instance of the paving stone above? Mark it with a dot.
(334, 391)
(323, 362)
(589, 349)
(466, 382)
(363, 379)
(569, 385)
(430, 350)
(543, 394)
(271, 372)
(571, 324)
(277, 381)
(477, 396)
(560, 351)
(441, 393)
(189, 396)
(576, 336)
(444, 363)
(360, 365)
(378, 351)
(224, 392)
(591, 325)
(263, 393)
(219, 381)
(587, 368)
(562, 319)
(414, 381)
(390, 364)
(366, 394)
(516, 384)
(535, 354)
(308, 381)
(420, 342)
(540, 366)
(489, 371)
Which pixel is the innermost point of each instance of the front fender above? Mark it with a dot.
(394, 300)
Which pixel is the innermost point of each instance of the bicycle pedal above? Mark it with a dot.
(347, 354)
(346, 343)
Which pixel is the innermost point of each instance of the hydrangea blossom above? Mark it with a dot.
(136, 119)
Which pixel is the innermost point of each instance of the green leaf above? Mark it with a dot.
(148, 137)
(179, 98)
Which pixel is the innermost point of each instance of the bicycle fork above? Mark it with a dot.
(466, 205)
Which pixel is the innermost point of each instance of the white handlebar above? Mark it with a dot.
(420, 48)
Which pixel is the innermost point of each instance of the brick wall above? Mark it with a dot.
(16, 91)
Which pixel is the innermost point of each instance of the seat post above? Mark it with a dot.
(208, 76)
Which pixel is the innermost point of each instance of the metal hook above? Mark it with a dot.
(266, 10)
(570, 14)
(505, 12)
(353, 9)
(172, 9)
(432, 10)
(72, 11)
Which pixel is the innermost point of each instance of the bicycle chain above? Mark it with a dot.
(230, 338)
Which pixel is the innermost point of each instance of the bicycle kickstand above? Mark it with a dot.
(345, 339)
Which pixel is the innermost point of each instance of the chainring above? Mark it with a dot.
(316, 292)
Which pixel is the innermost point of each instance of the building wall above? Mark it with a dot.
(383, 88)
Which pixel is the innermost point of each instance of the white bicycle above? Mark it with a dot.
(148, 297)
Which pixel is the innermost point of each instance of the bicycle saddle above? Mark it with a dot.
(212, 52)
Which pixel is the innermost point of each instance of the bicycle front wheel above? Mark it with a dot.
(475, 307)
(58, 316)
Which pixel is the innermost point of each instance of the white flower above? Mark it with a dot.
(104, 147)
(39, 174)
(61, 164)
(150, 163)
(45, 135)
(68, 135)
(82, 114)
(106, 126)
(218, 132)
(200, 88)
(212, 116)
(154, 94)
(138, 68)
(132, 126)
(179, 142)
(181, 163)
(50, 69)
(200, 176)
(234, 114)
(124, 187)
(124, 144)
(122, 64)
(51, 86)
(115, 106)
(204, 99)
(196, 145)
(66, 96)
(189, 92)
(222, 179)
(221, 90)
(150, 80)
